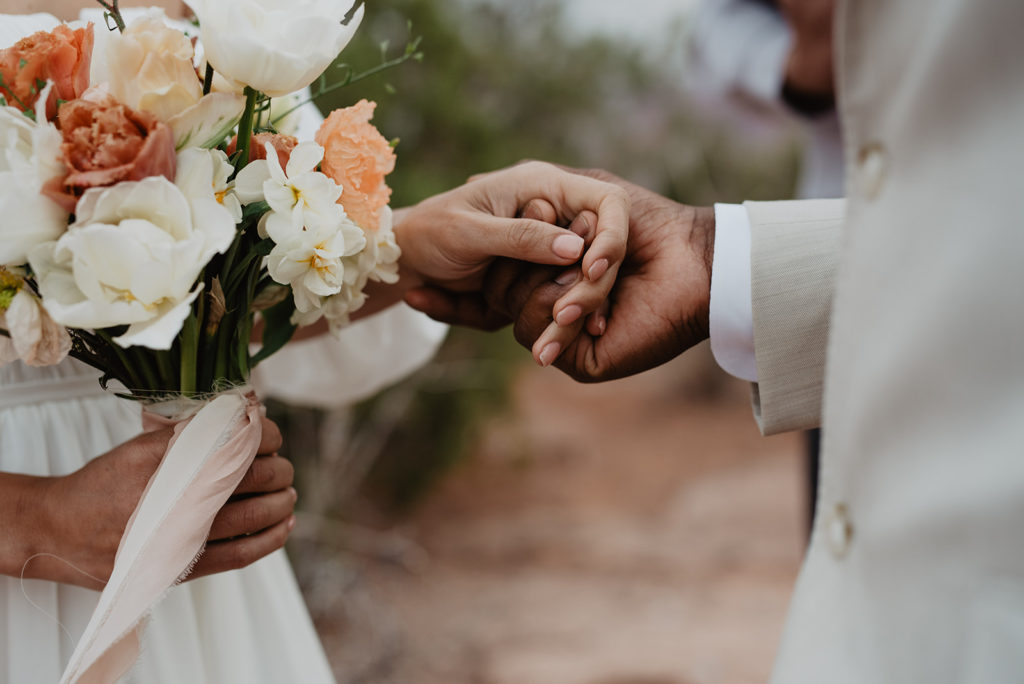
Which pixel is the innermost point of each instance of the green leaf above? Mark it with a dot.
(277, 329)
(255, 209)
(264, 247)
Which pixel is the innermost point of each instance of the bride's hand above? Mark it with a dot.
(451, 239)
(75, 522)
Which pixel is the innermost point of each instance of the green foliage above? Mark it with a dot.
(503, 83)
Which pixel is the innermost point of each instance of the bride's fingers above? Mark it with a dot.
(267, 474)
(270, 439)
(534, 302)
(251, 515)
(554, 340)
(569, 194)
(525, 239)
(239, 553)
(587, 294)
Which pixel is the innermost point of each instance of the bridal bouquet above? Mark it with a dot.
(152, 211)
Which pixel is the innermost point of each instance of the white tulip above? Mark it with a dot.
(274, 46)
(203, 176)
(29, 158)
(132, 258)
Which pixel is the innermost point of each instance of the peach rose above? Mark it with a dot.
(105, 143)
(357, 157)
(62, 56)
(282, 144)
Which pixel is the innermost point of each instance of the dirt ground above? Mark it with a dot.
(637, 532)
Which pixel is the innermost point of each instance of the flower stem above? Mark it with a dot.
(208, 79)
(245, 128)
(114, 12)
(189, 352)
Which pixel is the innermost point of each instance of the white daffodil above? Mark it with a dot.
(29, 158)
(300, 197)
(274, 46)
(377, 260)
(203, 175)
(312, 262)
(132, 258)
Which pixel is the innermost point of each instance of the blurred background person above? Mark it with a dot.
(774, 58)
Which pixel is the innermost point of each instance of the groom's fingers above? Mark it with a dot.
(468, 309)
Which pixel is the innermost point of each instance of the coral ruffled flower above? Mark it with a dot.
(357, 157)
(62, 56)
(105, 143)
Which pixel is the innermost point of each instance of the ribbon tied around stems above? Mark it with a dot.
(215, 441)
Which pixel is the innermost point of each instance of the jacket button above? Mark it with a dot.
(872, 163)
(838, 530)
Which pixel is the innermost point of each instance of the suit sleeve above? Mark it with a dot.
(794, 258)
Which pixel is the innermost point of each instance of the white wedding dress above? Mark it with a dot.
(248, 626)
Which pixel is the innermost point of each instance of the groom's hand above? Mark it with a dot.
(658, 306)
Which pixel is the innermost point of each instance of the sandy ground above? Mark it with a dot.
(638, 532)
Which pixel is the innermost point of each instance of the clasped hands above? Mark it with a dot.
(638, 297)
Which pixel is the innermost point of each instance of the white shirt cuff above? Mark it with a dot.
(732, 312)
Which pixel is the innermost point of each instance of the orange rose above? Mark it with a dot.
(62, 56)
(105, 143)
(357, 157)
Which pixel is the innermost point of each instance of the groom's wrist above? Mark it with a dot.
(702, 241)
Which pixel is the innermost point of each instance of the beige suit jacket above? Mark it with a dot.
(897, 320)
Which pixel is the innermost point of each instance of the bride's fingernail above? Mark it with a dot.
(569, 315)
(291, 523)
(568, 277)
(597, 269)
(294, 493)
(568, 246)
(602, 325)
(549, 353)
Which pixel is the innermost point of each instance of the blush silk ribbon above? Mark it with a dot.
(208, 455)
